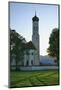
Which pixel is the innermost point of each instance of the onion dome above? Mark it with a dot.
(35, 18)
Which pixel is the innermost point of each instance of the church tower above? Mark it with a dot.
(35, 37)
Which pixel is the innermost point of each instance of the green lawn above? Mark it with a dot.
(33, 78)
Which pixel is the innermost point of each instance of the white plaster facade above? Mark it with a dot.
(35, 38)
(29, 59)
(31, 53)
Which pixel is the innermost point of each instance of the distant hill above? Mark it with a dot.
(47, 60)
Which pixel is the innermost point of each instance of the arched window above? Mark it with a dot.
(31, 62)
(32, 53)
(27, 63)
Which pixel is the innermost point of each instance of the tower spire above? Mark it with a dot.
(35, 13)
(35, 38)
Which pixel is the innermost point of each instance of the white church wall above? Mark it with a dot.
(13, 62)
(25, 59)
(36, 58)
(31, 57)
(39, 68)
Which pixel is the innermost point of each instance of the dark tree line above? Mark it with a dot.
(17, 43)
(53, 49)
(16, 47)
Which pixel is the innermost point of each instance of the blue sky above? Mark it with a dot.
(21, 20)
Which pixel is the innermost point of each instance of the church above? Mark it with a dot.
(31, 48)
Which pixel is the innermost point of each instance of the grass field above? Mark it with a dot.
(33, 78)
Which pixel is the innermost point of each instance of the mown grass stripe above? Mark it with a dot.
(34, 81)
(21, 79)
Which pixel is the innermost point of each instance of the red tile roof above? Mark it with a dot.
(29, 45)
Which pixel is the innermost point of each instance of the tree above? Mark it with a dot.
(53, 49)
(16, 47)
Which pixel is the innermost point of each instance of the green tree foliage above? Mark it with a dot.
(53, 49)
(16, 47)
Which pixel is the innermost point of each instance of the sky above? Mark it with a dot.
(21, 20)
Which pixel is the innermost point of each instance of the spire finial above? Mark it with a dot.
(35, 13)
